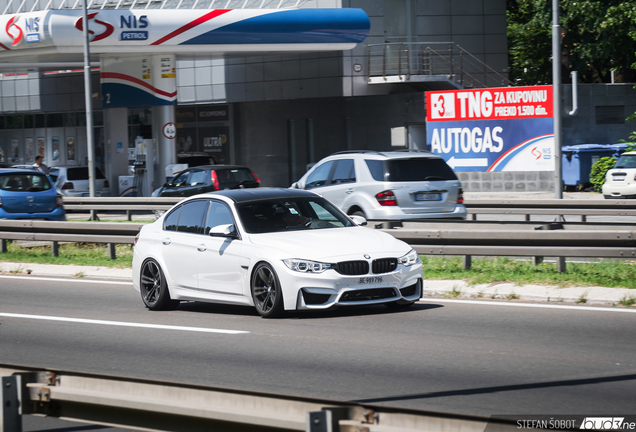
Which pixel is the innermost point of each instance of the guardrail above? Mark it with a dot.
(109, 233)
(463, 239)
(157, 405)
(527, 208)
(576, 207)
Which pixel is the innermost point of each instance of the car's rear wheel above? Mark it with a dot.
(266, 291)
(154, 289)
(358, 212)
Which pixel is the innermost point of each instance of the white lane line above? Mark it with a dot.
(123, 324)
(530, 305)
(39, 278)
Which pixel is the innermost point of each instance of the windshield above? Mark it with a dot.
(24, 182)
(626, 161)
(290, 215)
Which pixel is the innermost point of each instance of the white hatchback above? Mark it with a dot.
(620, 181)
(275, 249)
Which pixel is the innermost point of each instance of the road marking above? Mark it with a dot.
(122, 324)
(26, 277)
(530, 305)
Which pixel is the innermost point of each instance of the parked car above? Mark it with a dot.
(208, 178)
(620, 181)
(73, 181)
(29, 194)
(275, 249)
(397, 185)
(195, 159)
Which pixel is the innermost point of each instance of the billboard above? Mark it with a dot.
(492, 129)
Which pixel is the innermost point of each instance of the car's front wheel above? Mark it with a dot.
(154, 289)
(266, 291)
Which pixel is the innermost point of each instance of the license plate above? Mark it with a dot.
(428, 197)
(370, 280)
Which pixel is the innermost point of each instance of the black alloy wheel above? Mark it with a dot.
(266, 291)
(154, 289)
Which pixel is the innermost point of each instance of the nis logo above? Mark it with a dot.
(28, 29)
(106, 29)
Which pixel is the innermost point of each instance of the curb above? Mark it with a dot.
(536, 293)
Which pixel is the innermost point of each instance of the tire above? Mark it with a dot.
(153, 287)
(266, 291)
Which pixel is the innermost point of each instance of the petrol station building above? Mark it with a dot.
(271, 84)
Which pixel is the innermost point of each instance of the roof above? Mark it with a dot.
(394, 154)
(257, 194)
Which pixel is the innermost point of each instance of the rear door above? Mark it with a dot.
(422, 185)
(79, 177)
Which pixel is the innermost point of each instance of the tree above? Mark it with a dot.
(597, 37)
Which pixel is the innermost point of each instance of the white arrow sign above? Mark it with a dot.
(467, 162)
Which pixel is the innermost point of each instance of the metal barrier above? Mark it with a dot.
(580, 207)
(465, 238)
(165, 406)
(110, 233)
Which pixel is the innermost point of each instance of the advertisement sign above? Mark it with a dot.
(139, 81)
(492, 129)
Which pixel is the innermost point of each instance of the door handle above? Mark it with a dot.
(166, 241)
(349, 191)
(201, 248)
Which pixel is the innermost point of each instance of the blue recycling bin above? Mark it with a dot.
(577, 161)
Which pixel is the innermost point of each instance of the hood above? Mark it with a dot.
(332, 244)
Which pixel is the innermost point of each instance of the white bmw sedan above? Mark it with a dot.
(274, 249)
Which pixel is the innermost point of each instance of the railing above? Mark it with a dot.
(109, 233)
(467, 238)
(156, 405)
(415, 61)
(527, 208)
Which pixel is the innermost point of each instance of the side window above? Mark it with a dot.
(191, 219)
(376, 168)
(218, 214)
(344, 172)
(197, 177)
(181, 179)
(170, 222)
(319, 176)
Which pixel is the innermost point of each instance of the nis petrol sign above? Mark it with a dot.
(493, 129)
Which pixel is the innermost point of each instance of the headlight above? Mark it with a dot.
(410, 258)
(305, 266)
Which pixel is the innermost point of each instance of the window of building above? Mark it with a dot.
(13, 121)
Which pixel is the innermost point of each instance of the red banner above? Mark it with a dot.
(490, 104)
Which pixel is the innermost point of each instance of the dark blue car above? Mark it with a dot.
(29, 194)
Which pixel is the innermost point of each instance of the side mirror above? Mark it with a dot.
(295, 186)
(359, 220)
(227, 230)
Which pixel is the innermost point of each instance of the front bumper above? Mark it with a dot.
(330, 289)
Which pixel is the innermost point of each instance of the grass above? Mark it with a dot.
(69, 253)
(606, 273)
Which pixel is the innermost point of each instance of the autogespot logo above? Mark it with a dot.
(106, 31)
(607, 423)
(14, 32)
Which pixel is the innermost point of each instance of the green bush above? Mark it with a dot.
(599, 170)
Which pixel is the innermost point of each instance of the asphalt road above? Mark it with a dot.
(440, 355)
